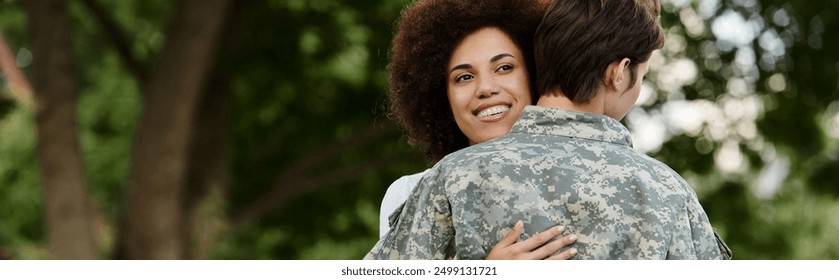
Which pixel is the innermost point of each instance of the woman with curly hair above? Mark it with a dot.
(567, 160)
(459, 75)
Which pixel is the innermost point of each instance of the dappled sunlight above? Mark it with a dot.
(693, 22)
(23, 58)
(771, 177)
(648, 131)
(834, 126)
(733, 30)
(685, 116)
(773, 49)
(679, 73)
(729, 159)
(744, 60)
(646, 97)
(831, 122)
(776, 83)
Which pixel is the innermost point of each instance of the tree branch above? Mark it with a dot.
(19, 86)
(151, 218)
(66, 198)
(371, 133)
(116, 37)
(282, 190)
(286, 189)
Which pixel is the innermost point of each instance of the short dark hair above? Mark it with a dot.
(578, 39)
(426, 36)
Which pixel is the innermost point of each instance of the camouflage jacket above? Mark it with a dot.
(555, 167)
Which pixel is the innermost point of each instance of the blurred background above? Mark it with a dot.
(232, 129)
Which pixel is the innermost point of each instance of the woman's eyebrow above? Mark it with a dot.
(491, 60)
(461, 66)
(500, 56)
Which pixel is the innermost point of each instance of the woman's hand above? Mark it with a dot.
(534, 248)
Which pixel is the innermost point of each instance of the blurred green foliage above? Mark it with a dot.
(309, 76)
(23, 222)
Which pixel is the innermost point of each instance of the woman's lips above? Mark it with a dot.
(493, 113)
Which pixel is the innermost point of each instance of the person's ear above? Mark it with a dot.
(618, 74)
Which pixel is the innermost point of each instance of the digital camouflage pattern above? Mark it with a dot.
(555, 167)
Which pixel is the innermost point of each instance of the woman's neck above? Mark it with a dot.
(559, 101)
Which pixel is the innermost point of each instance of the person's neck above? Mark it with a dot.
(557, 100)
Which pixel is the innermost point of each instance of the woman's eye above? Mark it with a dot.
(504, 68)
(464, 77)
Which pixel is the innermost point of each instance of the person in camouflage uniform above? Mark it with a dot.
(476, 33)
(566, 161)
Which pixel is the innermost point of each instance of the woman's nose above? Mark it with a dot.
(487, 87)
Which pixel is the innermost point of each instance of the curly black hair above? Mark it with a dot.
(427, 34)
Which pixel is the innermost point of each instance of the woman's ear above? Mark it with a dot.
(618, 74)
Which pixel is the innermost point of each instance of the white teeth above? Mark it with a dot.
(494, 110)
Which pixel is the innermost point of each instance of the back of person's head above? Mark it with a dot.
(578, 39)
(427, 33)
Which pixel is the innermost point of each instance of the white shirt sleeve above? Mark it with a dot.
(396, 194)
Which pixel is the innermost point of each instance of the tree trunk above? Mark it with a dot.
(152, 218)
(68, 205)
(207, 169)
(205, 194)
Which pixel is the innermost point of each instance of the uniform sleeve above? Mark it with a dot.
(424, 228)
(724, 250)
(698, 240)
(704, 238)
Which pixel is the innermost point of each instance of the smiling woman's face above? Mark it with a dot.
(487, 84)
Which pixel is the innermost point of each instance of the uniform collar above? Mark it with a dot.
(558, 122)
